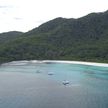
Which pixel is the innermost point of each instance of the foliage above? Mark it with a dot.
(83, 39)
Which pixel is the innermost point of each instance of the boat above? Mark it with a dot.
(50, 73)
(65, 82)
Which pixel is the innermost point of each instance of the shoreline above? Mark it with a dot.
(78, 62)
(23, 62)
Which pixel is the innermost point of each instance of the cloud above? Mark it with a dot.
(17, 18)
(40, 21)
(6, 6)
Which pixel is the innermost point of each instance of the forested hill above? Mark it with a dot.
(84, 39)
(7, 36)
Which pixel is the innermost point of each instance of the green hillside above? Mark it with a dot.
(8, 36)
(84, 39)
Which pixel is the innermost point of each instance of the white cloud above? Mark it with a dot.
(24, 15)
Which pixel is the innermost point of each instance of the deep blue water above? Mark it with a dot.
(31, 86)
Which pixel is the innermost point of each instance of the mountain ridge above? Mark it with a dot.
(84, 39)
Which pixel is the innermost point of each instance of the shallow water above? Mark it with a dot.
(29, 85)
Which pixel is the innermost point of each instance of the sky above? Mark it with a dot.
(24, 15)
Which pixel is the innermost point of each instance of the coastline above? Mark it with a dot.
(23, 62)
(78, 62)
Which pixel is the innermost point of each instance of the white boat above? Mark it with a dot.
(50, 73)
(65, 82)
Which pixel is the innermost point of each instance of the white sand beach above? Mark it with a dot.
(78, 62)
(24, 62)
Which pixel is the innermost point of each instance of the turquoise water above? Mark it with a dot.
(30, 86)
